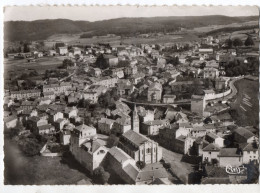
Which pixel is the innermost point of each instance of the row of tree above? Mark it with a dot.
(238, 42)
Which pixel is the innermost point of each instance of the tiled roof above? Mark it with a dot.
(134, 137)
(244, 132)
(119, 154)
(211, 147)
(229, 152)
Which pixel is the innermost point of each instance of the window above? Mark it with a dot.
(209, 152)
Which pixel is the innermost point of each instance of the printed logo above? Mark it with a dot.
(236, 170)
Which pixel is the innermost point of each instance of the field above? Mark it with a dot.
(76, 40)
(214, 27)
(247, 103)
(38, 170)
(21, 66)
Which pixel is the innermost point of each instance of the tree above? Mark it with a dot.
(100, 175)
(101, 62)
(229, 43)
(249, 41)
(26, 47)
(140, 164)
(237, 42)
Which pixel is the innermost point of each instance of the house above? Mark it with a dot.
(86, 148)
(184, 129)
(111, 60)
(140, 148)
(28, 105)
(168, 98)
(130, 70)
(123, 89)
(70, 112)
(60, 123)
(46, 129)
(161, 62)
(62, 50)
(154, 92)
(250, 153)
(213, 138)
(105, 126)
(54, 115)
(24, 94)
(10, 122)
(52, 53)
(93, 92)
(117, 72)
(230, 156)
(153, 127)
(34, 122)
(96, 72)
(136, 78)
(122, 125)
(210, 153)
(242, 135)
(209, 72)
(49, 95)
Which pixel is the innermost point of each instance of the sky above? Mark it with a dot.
(96, 13)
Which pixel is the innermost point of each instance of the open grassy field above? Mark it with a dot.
(71, 39)
(247, 103)
(22, 66)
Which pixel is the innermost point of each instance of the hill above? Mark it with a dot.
(42, 29)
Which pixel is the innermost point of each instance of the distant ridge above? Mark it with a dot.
(42, 29)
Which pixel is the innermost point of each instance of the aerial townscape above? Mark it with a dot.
(169, 105)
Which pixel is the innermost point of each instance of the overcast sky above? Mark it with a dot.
(95, 13)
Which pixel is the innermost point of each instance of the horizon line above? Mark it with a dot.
(130, 17)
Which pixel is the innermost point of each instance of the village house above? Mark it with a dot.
(184, 129)
(49, 95)
(10, 122)
(24, 94)
(54, 115)
(123, 89)
(242, 135)
(140, 148)
(230, 156)
(28, 105)
(34, 122)
(213, 138)
(154, 92)
(122, 125)
(70, 112)
(45, 129)
(136, 78)
(130, 70)
(153, 127)
(105, 126)
(95, 72)
(93, 92)
(111, 60)
(250, 153)
(168, 98)
(117, 72)
(60, 123)
(62, 51)
(86, 148)
(210, 153)
(106, 81)
(210, 73)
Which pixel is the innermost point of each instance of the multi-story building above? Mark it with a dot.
(23, 94)
(87, 149)
(154, 92)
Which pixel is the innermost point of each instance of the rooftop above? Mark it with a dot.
(134, 137)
